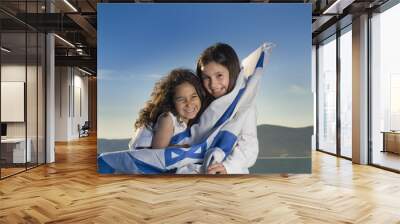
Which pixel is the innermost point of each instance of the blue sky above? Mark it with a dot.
(139, 43)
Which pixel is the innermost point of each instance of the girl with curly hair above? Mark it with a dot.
(176, 101)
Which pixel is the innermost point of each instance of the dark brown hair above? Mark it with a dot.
(161, 99)
(222, 54)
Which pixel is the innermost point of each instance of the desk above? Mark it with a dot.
(391, 141)
(15, 148)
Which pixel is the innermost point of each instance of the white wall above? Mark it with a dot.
(12, 101)
(33, 106)
(15, 73)
(62, 81)
(70, 83)
(81, 114)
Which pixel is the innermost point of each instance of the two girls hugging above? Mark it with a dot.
(178, 100)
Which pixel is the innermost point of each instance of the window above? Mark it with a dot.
(385, 86)
(22, 64)
(346, 92)
(327, 95)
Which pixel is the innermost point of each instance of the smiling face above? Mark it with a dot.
(187, 102)
(215, 79)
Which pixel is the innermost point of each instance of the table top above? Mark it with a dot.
(13, 140)
(391, 132)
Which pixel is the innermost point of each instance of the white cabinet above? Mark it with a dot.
(18, 149)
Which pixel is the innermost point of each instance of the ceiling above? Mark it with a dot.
(74, 21)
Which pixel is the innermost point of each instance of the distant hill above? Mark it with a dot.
(111, 145)
(274, 141)
(278, 141)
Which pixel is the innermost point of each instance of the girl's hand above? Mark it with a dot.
(216, 168)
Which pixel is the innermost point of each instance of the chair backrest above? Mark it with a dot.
(86, 125)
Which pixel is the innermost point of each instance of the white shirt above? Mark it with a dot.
(245, 152)
(143, 136)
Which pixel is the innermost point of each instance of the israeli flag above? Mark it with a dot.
(212, 139)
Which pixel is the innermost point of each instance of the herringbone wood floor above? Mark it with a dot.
(70, 191)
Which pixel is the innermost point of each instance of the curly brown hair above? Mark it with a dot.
(161, 99)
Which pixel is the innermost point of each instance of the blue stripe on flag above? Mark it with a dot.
(103, 167)
(224, 140)
(230, 109)
(260, 62)
(179, 137)
(170, 159)
(174, 155)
